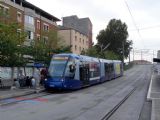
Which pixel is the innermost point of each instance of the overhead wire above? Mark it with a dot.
(146, 28)
(134, 23)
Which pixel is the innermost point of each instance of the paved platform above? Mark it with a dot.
(154, 96)
(10, 93)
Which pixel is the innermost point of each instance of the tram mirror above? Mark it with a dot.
(72, 68)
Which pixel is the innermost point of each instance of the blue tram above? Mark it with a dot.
(71, 71)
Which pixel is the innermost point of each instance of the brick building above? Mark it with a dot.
(38, 24)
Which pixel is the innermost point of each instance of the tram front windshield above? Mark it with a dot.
(57, 66)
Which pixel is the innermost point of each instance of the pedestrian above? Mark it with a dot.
(43, 76)
(33, 81)
(36, 76)
(17, 84)
(21, 79)
(28, 82)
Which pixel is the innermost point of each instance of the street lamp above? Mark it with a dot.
(104, 48)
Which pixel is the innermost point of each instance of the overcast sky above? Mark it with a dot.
(145, 14)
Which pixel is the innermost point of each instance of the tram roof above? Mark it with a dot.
(87, 58)
(67, 54)
(82, 57)
(105, 60)
(117, 61)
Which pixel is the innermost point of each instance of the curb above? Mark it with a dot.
(149, 90)
(16, 95)
(20, 94)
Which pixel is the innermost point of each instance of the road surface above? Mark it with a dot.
(93, 103)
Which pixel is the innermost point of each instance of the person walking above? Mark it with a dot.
(43, 76)
(21, 79)
(36, 76)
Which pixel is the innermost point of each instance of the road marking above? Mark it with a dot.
(23, 100)
(149, 91)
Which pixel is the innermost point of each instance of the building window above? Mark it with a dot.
(30, 35)
(45, 27)
(80, 40)
(45, 39)
(38, 24)
(75, 47)
(16, 1)
(75, 38)
(29, 20)
(83, 41)
(80, 49)
(1, 9)
(38, 37)
(4, 10)
(19, 16)
(19, 32)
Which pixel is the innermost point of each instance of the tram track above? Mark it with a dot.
(115, 108)
(112, 111)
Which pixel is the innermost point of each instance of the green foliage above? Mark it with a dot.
(42, 51)
(83, 52)
(62, 49)
(92, 52)
(10, 45)
(128, 66)
(110, 55)
(115, 34)
(12, 48)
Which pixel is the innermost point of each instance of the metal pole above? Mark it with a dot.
(123, 52)
(153, 54)
(141, 56)
(129, 56)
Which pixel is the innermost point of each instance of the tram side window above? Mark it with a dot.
(70, 68)
(94, 70)
(111, 67)
(107, 68)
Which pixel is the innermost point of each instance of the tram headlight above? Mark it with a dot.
(45, 79)
(62, 79)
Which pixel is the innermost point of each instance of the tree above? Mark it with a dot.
(83, 52)
(110, 55)
(10, 45)
(116, 35)
(92, 52)
(42, 50)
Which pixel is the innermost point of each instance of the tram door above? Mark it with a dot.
(84, 74)
(112, 70)
(108, 71)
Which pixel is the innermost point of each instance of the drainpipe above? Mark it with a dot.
(70, 37)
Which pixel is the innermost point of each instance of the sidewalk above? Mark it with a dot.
(11, 93)
(154, 96)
